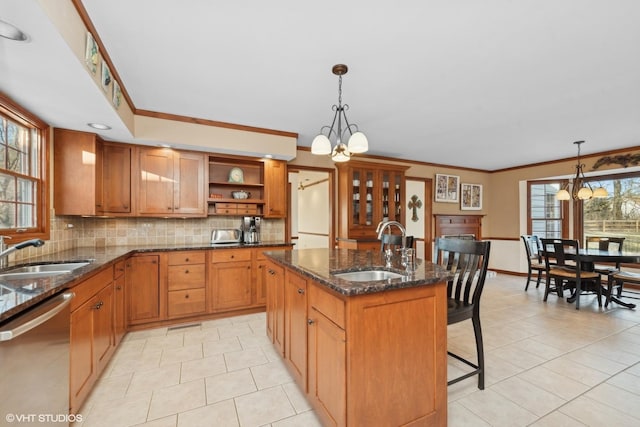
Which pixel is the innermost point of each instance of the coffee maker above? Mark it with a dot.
(251, 229)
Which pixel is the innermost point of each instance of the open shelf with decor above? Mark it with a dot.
(236, 187)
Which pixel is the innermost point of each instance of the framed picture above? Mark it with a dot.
(91, 54)
(471, 197)
(447, 188)
(117, 94)
(105, 78)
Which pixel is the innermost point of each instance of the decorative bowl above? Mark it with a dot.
(240, 194)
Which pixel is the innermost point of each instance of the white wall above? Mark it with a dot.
(313, 216)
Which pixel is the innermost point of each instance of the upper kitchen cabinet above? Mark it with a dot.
(247, 187)
(275, 181)
(170, 183)
(367, 194)
(91, 177)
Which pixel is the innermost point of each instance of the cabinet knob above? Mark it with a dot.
(186, 271)
(98, 305)
(118, 288)
(301, 291)
(186, 260)
(186, 296)
(232, 256)
(310, 321)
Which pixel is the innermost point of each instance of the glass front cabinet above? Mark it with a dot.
(368, 193)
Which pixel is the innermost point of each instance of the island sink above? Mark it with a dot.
(368, 275)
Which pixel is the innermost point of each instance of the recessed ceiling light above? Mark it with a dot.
(12, 32)
(98, 126)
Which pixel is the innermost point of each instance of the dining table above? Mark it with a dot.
(590, 256)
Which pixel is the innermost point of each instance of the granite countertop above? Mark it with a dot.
(321, 265)
(17, 295)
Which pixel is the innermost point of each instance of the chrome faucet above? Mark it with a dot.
(5, 252)
(383, 225)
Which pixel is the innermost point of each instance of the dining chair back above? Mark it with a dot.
(565, 270)
(535, 263)
(394, 241)
(468, 260)
(605, 244)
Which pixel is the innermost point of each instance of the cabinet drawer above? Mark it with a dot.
(186, 301)
(88, 288)
(186, 276)
(333, 308)
(182, 258)
(227, 255)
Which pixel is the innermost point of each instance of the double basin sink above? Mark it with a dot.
(40, 271)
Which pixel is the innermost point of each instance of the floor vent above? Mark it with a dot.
(192, 325)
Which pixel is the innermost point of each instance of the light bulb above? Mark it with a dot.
(563, 195)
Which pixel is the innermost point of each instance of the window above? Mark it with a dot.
(545, 212)
(618, 215)
(23, 174)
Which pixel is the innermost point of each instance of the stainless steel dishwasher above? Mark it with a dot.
(34, 365)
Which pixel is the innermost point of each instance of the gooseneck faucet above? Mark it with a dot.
(383, 225)
(7, 251)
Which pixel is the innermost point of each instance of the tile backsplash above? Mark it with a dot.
(69, 232)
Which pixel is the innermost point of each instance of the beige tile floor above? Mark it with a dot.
(547, 365)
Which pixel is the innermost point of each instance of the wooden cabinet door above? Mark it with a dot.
(230, 285)
(103, 326)
(116, 178)
(189, 187)
(275, 187)
(76, 173)
(327, 368)
(82, 370)
(296, 326)
(274, 280)
(119, 314)
(260, 282)
(142, 278)
(155, 177)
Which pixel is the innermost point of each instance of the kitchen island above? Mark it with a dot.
(363, 352)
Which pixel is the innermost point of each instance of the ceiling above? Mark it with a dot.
(485, 85)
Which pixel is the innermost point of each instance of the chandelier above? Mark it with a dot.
(357, 142)
(580, 191)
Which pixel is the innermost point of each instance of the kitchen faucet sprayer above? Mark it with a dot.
(6, 252)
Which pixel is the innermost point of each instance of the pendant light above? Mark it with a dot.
(581, 188)
(357, 142)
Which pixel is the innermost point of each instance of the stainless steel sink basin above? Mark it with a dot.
(64, 267)
(41, 270)
(33, 275)
(368, 275)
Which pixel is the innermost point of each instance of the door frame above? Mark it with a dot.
(332, 192)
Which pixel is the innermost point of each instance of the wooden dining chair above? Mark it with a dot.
(616, 280)
(535, 263)
(564, 270)
(468, 260)
(605, 244)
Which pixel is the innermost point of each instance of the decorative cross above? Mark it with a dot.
(414, 204)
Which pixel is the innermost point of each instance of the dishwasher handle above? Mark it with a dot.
(40, 315)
